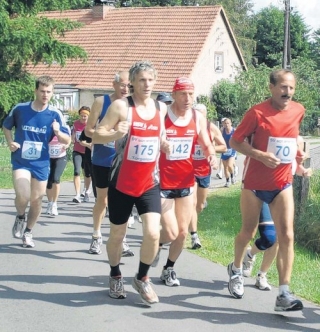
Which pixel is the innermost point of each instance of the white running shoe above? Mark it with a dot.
(27, 241)
(195, 241)
(131, 221)
(49, 208)
(236, 283)
(19, 227)
(54, 209)
(288, 302)
(262, 282)
(169, 277)
(247, 264)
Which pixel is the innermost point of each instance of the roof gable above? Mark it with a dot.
(170, 37)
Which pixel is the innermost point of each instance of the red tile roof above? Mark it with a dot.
(170, 37)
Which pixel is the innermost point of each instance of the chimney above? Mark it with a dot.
(101, 8)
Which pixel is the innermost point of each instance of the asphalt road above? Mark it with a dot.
(58, 286)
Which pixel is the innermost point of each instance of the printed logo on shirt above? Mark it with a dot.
(190, 132)
(42, 130)
(139, 125)
(152, 127)
(171, 132)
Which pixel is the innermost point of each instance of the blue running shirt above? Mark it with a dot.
(33, 131)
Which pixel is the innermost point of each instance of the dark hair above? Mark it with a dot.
(276, 74)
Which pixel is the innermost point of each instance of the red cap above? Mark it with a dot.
(182, 83)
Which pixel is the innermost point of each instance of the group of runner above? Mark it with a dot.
(151, 166)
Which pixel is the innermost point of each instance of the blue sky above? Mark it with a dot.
(309, 9)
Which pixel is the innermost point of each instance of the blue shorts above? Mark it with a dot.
(203, 181)
(176, 193)
(40, 174)
(268, 196)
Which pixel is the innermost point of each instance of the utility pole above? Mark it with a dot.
(286, 61)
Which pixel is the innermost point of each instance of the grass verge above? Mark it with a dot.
(221, 221)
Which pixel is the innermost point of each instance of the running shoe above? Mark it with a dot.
(219, 176)
(83, 192)
(144, 288)
(235, 284)
(49, 208)
(287, 302)
(86, 198)
(19, 227)
(54, 209)
(262, 282)
(156, 259)
(27, 241)
(95, 246)
(76, 199)
(247, 264)
(131, 221)
(195, 242)
(227, 184)
(126, 251)
(169, 277)
(116, 288)
(233, 181)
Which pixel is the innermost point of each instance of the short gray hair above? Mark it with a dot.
(118, 75)
(141, 66)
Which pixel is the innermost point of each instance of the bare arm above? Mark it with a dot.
(267, 158)
(205, 143)
(95, 112)
(13, 146)
(164, 143)
(114, 125)
(62, 137)
(219, 142)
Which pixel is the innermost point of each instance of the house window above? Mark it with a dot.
(218, 62)
(66, 102)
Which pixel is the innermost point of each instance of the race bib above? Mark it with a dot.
(78, 133)
(283, 148)
(181, 148)
(31, 150)
(143, 149)
(198, 153)
(55, 150)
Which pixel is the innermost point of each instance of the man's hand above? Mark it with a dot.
(14, 146)
(269, 159)
(56, 127)
(165, 146)
(212, 160)
(122, 128)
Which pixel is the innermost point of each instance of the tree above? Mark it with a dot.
(315, 47)
(29, 39)
(270, 36)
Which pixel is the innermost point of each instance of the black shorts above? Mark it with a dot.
(176, 193)
(120, 205)
(100, 176)
(57, 166)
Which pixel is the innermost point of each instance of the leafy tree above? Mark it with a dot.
(211, 109)
(270, 36)
(29, 39)
(315, 47)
